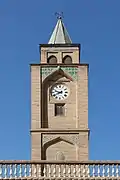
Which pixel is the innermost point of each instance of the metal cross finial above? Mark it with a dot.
(59, 15)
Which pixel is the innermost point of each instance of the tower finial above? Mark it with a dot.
(60, 34)
(59, 15)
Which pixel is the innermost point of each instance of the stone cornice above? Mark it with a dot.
(59, 64)
(94, 162)
(45, 130)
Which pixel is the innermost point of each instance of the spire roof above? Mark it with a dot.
(60, 34)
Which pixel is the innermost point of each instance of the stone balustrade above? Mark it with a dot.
(60, 170)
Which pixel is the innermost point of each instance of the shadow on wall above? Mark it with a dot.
(49, 80)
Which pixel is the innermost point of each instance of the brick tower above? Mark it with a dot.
(59, 100)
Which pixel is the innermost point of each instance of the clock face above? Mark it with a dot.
(60, 91)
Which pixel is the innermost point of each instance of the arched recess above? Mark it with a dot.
(67, 60)
(54, 76)
(52, 60)
(52, 142)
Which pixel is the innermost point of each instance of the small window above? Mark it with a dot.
(67, 60)
(59, 109)
(52, 60)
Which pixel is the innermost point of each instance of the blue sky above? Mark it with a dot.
(26, 23)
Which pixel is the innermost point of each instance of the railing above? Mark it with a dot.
(60, 170)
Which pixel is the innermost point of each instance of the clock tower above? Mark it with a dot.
(59, 100)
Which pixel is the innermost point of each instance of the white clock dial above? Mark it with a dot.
(60, 91)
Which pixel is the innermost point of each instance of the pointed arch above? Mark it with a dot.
(55, 75)
(52, 142)
(57, 139)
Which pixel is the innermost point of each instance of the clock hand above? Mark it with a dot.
(59, 92)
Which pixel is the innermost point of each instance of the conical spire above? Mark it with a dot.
(60, 34)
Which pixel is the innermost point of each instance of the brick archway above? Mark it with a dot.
(55, 141)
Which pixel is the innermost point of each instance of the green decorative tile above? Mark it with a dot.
(72, 71)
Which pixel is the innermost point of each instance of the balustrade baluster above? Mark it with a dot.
(44, 171)
(117, 170)
(11, 171)
(113, 171)
(88, 170)
(79, 171)
(64, 170)
(84, 170)
(74, 170)
(93, 171)
(1, 171)
(49, 170)
(15, 171)
(103, 170)
(76, 167)
(39, 170)
(59, 170)
(108, 170)
(25, 170)
(35, 171)
(5, 171)
(69, 171)
(54, 169)
(98, 171)
(30, 170)
(20, 170)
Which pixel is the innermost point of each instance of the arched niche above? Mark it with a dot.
(58, 149)
(53, 76)
(52, 60)
(67, 60)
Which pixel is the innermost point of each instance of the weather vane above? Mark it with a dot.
(59, 15)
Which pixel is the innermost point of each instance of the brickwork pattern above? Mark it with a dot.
(76, 112)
